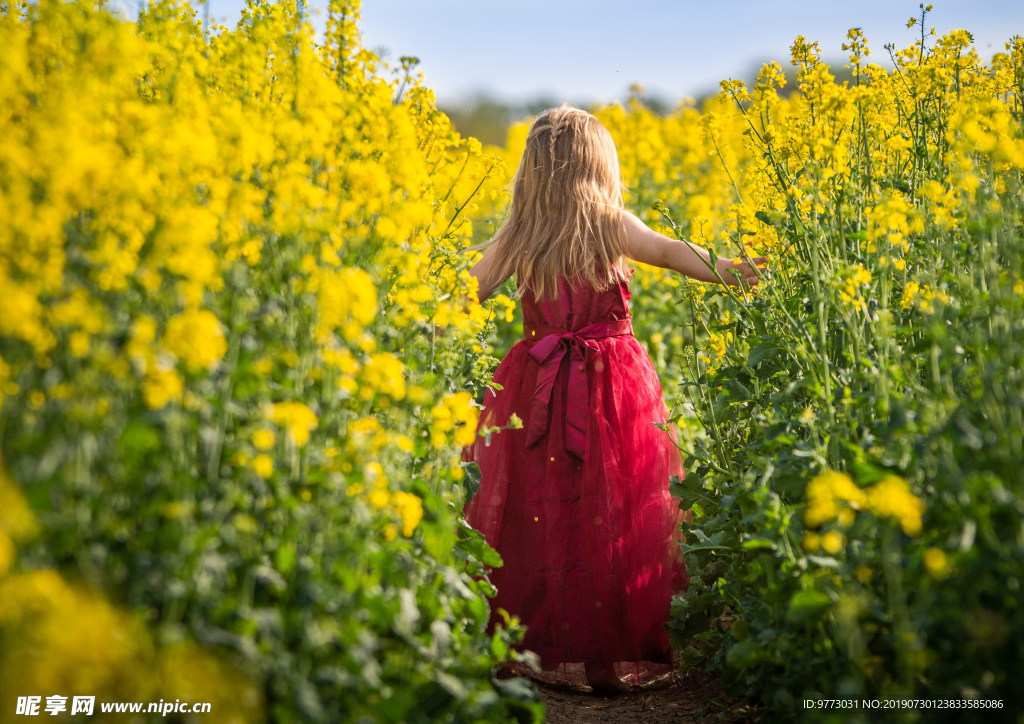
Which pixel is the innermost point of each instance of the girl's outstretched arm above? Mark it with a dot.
(647, 246)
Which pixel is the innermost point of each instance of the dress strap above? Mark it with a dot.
(553, 343)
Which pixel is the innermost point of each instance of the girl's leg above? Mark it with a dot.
(603, 680)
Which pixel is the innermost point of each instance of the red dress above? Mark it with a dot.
(577, 501)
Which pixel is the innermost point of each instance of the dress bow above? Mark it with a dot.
(549, 352)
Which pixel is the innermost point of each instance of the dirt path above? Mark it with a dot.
(672, 698)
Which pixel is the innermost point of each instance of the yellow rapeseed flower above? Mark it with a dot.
(382, 374)
(935, 561)
(379, 498)
(161, 385)
(263, 465)
(263, 439)
(863, 573)
(347, 300)
(892, 498)
(409, 508)
(16, 519)
(456, 412)
(263, 365)
(298, 419)
(6, 553)
(822, 493)
(79, 343)
(197, 338)
(811, 542)
(509, 305)
(833, 541)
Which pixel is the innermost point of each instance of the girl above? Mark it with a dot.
(576, 502)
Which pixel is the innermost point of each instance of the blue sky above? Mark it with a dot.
(586, 51)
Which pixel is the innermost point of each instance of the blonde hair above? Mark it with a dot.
(566, 210)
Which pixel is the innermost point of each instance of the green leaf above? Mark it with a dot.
(471, 480)
(744, 654)
(139, 438)
(519, 688)
(438, 538)
(696, 623)
(867, 474)
(284, 558)
(472, 541)
(762, 352)
(771, 217)
(688, 491)
(498, 646)
(807, 605)
(738, 388)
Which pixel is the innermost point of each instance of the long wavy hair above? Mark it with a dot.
(566, 210)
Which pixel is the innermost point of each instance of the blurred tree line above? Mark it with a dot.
(488, 118)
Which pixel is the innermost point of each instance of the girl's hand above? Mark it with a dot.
(729, 269)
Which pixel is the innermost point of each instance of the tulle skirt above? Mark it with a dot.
(590, 546)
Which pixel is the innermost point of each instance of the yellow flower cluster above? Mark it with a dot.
(851, 286)
(263, 464)
(508, 306)
(17, 523)
(366, 434)
(889, 498)
(456, 412)
(382, 374)
(263, 439)
(196, 338)
(832, 542)
(715, 348)
(409, 508)
(184, 203)
(922, 296)
(824, 491)
(78, 314)
(161, 381)
(347, 300)
(935, 561)
(892, 498)
(469, 318)
(892, 219)
(296, 418)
